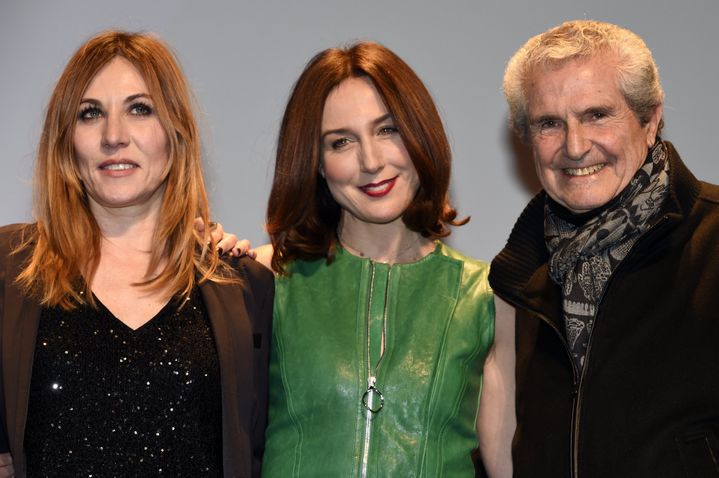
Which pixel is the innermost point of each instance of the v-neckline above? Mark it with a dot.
(160, 313)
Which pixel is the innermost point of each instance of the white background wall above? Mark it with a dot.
(243, 57)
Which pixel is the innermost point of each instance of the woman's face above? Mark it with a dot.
(364, 161)
(121, 148)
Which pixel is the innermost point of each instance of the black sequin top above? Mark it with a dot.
(106, 400)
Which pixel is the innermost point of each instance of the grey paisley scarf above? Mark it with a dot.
(584, 256)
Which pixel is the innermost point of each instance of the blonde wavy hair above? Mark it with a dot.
(638, 75)
(65, 241)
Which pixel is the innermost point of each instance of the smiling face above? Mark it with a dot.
(368, 170)
(121, 148)
(587, 142)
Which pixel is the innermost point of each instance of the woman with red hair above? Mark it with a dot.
(384, 337)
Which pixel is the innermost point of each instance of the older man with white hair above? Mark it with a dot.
(613, 269)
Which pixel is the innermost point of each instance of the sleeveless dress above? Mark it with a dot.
(376, 370)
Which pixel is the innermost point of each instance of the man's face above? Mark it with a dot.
(587, 142)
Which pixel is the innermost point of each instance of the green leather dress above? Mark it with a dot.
(419, 333)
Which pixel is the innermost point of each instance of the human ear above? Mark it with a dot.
(653, 125)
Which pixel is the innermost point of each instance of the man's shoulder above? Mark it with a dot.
(709, 192)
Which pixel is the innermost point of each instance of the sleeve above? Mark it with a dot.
(7, 235)
(4, 444)
(262, 288)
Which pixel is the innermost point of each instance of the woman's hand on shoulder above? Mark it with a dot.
(226, 242)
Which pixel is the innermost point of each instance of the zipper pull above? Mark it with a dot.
(372, 399)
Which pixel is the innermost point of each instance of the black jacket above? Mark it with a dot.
(240, 316)
(647, 401)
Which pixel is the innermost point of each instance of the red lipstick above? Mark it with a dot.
(379, 189)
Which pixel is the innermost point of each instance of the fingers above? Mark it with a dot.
(218, 236)
(243, 248)
(225, 242)
(199, 225)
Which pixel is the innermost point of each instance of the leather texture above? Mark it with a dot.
(438, 317)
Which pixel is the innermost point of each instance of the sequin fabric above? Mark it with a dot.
(106, 400)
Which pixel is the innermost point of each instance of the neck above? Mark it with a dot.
(129, 228)
(389, 243)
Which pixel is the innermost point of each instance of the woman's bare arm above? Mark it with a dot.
(497, 418)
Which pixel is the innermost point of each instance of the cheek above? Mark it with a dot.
(80, 139)
(338, 171)
(543, 154)
(629, 153)
(155, 144)
(413, 179)
(81, 146)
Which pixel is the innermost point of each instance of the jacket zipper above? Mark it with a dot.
(577, 392)
(373, 372)
(577, 376)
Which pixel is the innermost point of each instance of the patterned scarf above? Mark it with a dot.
(584, 256)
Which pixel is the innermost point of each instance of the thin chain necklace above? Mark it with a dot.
(359, 252)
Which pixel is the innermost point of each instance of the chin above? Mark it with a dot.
(380, 219)
(584, 206)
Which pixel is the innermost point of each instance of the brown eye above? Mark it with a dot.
(339, 143)
(386, 130)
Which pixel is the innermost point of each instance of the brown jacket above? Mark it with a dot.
(240, 316)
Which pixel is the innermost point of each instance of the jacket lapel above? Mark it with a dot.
(21, 316)
(233, 338)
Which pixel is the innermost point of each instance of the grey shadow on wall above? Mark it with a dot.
(523, 162)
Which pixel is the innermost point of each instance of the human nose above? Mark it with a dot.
(115, 133)
(577, 143)
(371, 157)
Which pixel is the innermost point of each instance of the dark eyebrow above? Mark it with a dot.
(339, 131)
(129, 99)
(382, 119)
(375, 122)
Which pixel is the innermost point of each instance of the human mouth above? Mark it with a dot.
(584, 171)
(379, 189)
(117, 167)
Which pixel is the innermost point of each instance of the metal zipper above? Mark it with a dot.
(577, 376)
(372, 373)
(577, 392)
